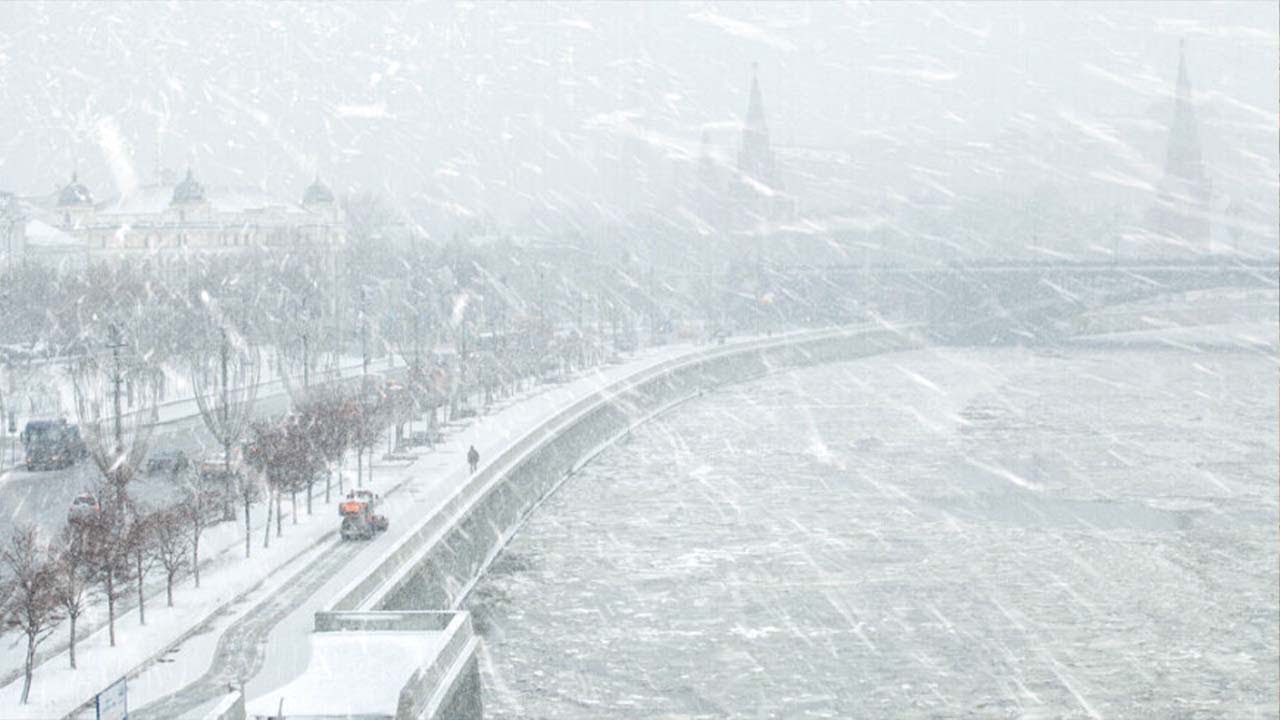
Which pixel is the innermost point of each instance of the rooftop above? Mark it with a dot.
(355, 674)
(156, 199)
(47, 237)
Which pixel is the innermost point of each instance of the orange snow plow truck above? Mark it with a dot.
(359, 521)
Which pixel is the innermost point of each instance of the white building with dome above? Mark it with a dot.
(161, 219)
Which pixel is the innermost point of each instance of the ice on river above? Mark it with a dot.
(986, 533)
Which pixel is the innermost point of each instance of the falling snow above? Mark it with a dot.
(621, 359)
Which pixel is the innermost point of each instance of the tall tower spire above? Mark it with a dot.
(755, 157)
(1183, 198)
(1184, 159)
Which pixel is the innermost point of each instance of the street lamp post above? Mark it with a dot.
(224, 358)
(115, 343)
(364, 333)
(306, 362)
(542, 296)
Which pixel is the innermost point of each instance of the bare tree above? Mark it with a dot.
(225, 382)
(326, 418)
(72, 581)
(284, 453)
(368, 423)
(107, 554)
(266, 528)
(171, 533)
(261, 452)
(429, 386)
(32, 605)
(198, 501)
(248, 489)
(140, 540)
(116, 435)
(305, 349)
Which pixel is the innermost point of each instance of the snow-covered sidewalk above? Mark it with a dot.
(232, 586)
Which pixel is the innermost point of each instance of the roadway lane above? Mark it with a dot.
(42, 498)
(242, 648)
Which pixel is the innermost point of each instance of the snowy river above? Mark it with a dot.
(950, 533)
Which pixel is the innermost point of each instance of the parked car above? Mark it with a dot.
(170, 461)
(83, 508)
(215, 471)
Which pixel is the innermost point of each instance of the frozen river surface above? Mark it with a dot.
(931, 534)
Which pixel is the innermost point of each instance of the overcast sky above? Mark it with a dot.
(492, 107)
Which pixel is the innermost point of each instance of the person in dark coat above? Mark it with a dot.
(473, 458)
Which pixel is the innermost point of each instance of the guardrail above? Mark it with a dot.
(417, 620)
(434, 689)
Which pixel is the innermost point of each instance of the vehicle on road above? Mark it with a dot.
(167, 461)
(52, 445)
(83, 508)
(359, 519)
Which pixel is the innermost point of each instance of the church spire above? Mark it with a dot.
(1185, 191)
(755, 157)
(1184, 80)
(755, 104)
(1183, 159)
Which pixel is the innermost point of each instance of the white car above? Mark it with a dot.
(83, 507)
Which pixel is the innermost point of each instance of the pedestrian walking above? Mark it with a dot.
(473, 458)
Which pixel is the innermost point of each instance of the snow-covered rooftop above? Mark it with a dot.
(48, 237)
(155, 199)
(351, 675)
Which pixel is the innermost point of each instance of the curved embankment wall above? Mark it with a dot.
(436, 565)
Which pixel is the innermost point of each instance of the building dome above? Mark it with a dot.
(188, 191)
(74, 194)
(317, 194)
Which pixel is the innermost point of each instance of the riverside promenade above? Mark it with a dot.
(384, 638)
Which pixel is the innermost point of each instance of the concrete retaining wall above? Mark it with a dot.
(435, 566)
(419, 621)
(448, 688)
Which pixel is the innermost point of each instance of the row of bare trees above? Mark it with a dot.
(112, 548)
(101, 556)
(104, 556)
(116, 546)
(290, 455)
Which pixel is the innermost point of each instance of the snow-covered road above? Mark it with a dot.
(42, 497)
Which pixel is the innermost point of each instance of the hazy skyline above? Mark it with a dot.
(483, 108)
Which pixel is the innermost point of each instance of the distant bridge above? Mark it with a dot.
(995, 302)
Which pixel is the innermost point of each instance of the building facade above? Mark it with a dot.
(161, 219)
